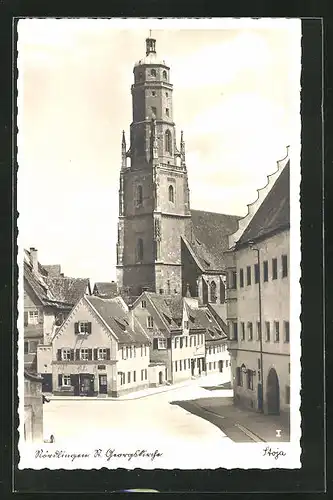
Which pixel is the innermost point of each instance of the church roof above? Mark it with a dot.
(106, 289)
(274, 212)
(117, 319)
(210, 237)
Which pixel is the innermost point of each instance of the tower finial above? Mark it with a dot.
(150, 45)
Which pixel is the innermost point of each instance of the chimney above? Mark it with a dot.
(34, 260)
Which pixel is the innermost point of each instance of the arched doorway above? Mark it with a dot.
(273, 393)
(160, 378)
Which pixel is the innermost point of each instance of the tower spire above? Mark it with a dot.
(123, 151)
(182, 149)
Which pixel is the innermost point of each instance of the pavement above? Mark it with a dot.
(238, 424)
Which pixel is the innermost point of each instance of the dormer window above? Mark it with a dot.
(153, 72)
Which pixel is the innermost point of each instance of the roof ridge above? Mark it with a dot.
(253, 207)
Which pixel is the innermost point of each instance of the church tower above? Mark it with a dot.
(154, 204)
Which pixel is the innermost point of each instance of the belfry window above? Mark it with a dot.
(153, 72)
(139, 196)
(165, 75)
(171, 194)
(213, 296)
(139, 250)
(168, 142)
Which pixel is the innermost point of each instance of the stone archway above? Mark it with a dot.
(273, 393)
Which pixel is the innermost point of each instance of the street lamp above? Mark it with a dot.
(251, 244)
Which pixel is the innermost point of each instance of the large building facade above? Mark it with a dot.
(163, 246)
(258, 298)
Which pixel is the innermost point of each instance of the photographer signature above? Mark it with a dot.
(273, 453)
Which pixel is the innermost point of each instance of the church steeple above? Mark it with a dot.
(150, 45)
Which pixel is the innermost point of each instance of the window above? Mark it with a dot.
(214, 365)
(145, 350)
(128, 377)
(176, 366)
(268, 331)
(235, 330)
(164, 75)
(250, 379)
(153, 111)
(241, 278)
(150, 322)
(284, 266)
(209, 366)
(26, 347)
(186, 325)
(171, 194)
(265, 270)
(232, 285)
(146, 373)
(66, 380)
(134, 376)
(153, 93)
(82, 327)
(256, 273)
(258, 330)
(139, 249)
(167, 111)
(143, 304)
(139, 196)
(168, 144)
(142, 374)
(274, 269)
(186, 341)
(181, 342)
(84, 354)
(239, 378)
(161, 343)
(276, 331)
(166, 94)
(153, 72)
(101, 354)
(250, 331)
(195, 340)
(180, 365)
(213, 296)
(66, 354)
(248, 275)
(242, 331)
(190, 341)
(286, 331)
(287, 394)
(33, 318)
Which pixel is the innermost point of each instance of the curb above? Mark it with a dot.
(87, 398)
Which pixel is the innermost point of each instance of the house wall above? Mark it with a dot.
(216, 354)
(154, 375)
(275, 300)
(33, 411)
(135, 361)
(99, 337)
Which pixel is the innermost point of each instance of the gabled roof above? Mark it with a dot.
(169, 308)
(68, 290)
(105, 289)
(274, 213)
(60, 292)
(117, 319)
(201, 319)
(210, 237)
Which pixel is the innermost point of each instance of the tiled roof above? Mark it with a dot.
(53, 270)
(118, 320)
(105, 290)
(67, 290)
(39, 287)
(274, 212)
(210, 237)
(202, 319)
(41, 269)
(166, 307)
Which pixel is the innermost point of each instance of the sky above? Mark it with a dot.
(236, 97)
